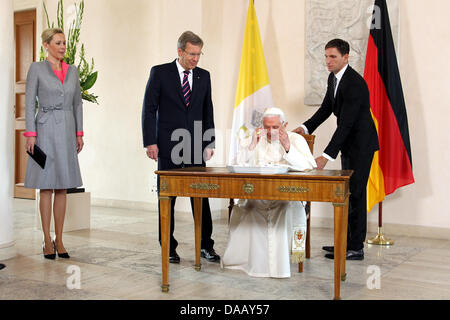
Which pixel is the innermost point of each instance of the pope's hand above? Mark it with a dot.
(284, 138)
(256, 137)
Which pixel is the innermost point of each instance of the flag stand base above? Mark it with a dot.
(380, 239)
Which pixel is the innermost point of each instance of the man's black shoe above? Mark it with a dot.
(174, 257)
(2, 266)
(210, 255)
(328, 248)
(351, 255)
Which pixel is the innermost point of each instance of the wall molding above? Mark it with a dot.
(146, 206)
(8, 251)
(124, 204)
(391, 230)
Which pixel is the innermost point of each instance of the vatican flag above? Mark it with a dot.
(253, 93)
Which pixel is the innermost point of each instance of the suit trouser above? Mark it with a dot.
(357, 210)
(207, 242)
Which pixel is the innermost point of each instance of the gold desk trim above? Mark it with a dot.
(338, 204)
(204, 186)
(290, 189)
(248, 188)
(338, 192)
(164, 186)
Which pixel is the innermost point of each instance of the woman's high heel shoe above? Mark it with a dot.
(50, 256)
(64, 255)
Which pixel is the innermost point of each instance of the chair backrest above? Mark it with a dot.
(310, 140)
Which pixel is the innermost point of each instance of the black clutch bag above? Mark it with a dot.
(39, 156)
(75, 190)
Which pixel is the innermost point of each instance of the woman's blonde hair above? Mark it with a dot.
(48, 34)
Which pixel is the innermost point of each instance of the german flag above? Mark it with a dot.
(392, 164)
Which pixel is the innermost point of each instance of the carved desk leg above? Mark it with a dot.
(338, 249)
(164, 203)
(198, 231)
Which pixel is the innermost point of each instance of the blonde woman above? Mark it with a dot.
(57, 128)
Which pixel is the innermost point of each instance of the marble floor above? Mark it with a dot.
(119, 258)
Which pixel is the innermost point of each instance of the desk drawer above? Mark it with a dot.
(245, 188)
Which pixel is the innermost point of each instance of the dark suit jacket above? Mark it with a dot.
(355, 135)
(164, 110)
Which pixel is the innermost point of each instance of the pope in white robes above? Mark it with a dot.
(263, 234)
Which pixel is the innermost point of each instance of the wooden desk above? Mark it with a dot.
(198, 182)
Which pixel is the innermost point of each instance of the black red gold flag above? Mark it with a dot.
(392, 164)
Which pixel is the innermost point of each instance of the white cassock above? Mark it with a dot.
(261, 231)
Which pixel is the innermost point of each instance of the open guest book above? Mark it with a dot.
(263, 169)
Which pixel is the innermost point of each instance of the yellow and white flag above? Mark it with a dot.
(253, 93)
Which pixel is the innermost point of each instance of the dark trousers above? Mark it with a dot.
(357, 210)
(207, 228)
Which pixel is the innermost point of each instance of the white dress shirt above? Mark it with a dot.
(181, 74)
(338, 77)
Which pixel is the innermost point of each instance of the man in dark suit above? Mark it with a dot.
(177, 106)
(347, 97)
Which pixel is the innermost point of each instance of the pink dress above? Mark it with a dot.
(61, 74)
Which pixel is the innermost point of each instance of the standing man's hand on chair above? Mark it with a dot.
(299, 130)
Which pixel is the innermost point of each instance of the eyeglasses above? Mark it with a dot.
(190, 54)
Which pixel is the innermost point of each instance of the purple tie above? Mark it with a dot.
(186, 89)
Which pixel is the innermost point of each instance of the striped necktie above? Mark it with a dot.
(186, 89)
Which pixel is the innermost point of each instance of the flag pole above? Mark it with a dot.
(380, 239)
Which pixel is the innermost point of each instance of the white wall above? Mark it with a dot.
(126, 38)
(7, 128)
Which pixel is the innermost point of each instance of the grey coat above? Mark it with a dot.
(59, 118)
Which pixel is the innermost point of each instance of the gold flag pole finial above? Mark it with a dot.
(380, 238)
